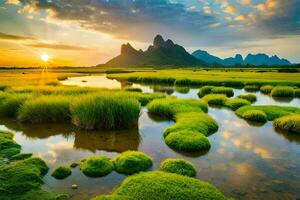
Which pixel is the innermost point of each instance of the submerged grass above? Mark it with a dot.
(288, 123)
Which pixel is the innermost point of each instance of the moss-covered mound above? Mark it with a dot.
(255, 115)
(272, 112)
(252, 88)
(249, 97)
(215, 99)
(178, 166)
(266, 89)
(96, 166)
(167, 186)
(205, 90)
(186, 140)
(288, 123)
(192, 124)
(283, 91)
(235, 104)
(61, 172)
(8, 147)
(131, 162)
(223, 90)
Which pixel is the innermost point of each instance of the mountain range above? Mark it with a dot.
(166, 53)
(251, 59)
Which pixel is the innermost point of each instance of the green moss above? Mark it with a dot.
(255, 115)
(215, 99)
(105, 112)
(223, 90)
(8, 147)
(252, 88)
(235, 104)
(167, 186)
(266, 89)
(205, 90)
(131, 162)
(182, 90)
(283, 91)
(96, 166)
(73, 165)
(272, 112)
(178, 166)
(45, 109)
(186, 140)
(249, 97)
(288, 123)
(21, 156)
(61, 172)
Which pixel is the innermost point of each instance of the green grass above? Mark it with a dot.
(8, 147)
(236, 103)
(272, 112)
(252, 88)
(192, 123)
(108, 112)
(167, 186)
(61, 172)
(223, 90)
(215, 99)
(45, 109)
(182, 90)
(11, 102)
(133, 89)
(266, 89)
(96, 166)
(289, 123)
(283, 91)
(255, 115)
(131, 162)
(249, 97)
(178, 166)
(297, 93)
(205, 90)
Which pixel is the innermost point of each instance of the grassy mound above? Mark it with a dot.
(96, 166)
(255, 115)
(11, 102)
(205, 90)
(266, 89)
(223, 90)
(252, 88)
(297, 93)
(249, 97)
(178, 166)
(235, 104)
(215, 99)
(45, 109)
(167, 186)
(8, 147)
(61, 172)
(188, 141)
(131, 162)
(288, 123)
(272, 112)
(182, 90)
(283, 91)
(133, 89)
(105, 112)
(192, 124)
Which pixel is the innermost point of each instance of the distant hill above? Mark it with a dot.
(161, 53)
(253, 60)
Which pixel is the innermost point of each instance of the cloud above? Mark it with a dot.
(240, 18)
(244, 2)
(126, 19)
(57, 46)
(230, 9)
(207, 10)
(6, 36)
(13, 2)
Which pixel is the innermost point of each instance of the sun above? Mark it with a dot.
(45, 57)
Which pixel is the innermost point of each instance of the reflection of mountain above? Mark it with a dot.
(115, 141)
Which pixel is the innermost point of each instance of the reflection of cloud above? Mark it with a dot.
(242, 168)
(264, 153)
(56, 149)
(227, 134)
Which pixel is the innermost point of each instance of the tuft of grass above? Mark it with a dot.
(96, 166)
(223, 90)
(233, 83)
(215, 99)
(178, 166)
(10, 104)
(288, 123)
(131, 162)
(61, 172)
(182, 90)
(160, 185)
(21, 156)
(272, 112)
(249, 97)
(205, 90)
(252, 88)
(266, 89)
(255, 115)
(45, 109)
(297, 93)
(235, 104)
(105, 112)
(133, 89)
(283, 91)
(188, 141)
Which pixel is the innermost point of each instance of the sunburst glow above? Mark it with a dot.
(45, 57)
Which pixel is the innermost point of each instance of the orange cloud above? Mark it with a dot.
(58, 46)
(13, 2)
(230, 9)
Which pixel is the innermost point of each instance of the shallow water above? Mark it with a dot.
(246, 161)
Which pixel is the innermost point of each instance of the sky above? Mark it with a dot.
(90, 32)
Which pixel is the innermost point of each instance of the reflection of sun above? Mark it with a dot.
(45, 57)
